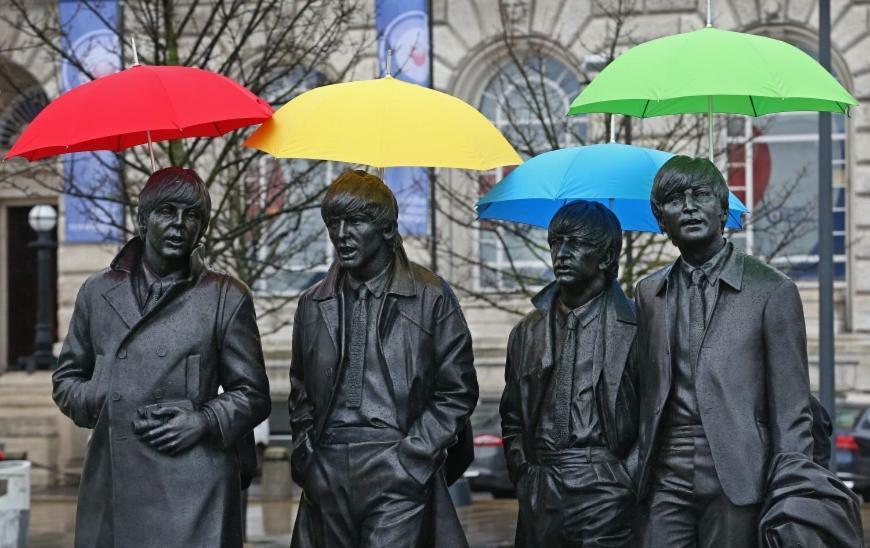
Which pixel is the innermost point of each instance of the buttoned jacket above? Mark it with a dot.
(529, 370)
(115, 360)
(751, 379)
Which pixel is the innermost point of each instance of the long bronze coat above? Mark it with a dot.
(751, 381)
(115, 360)
(425, 342)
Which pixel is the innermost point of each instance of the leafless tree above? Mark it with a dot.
(277, 49)
(533, 120)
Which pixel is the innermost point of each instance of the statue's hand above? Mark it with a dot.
(174, 431)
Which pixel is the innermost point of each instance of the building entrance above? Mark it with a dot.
(21, 291)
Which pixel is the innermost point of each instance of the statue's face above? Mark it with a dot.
(692, 217)
(576, 263)
(357, 240)
(172, 230)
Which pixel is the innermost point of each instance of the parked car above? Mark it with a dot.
(488, 472)
(852, 429)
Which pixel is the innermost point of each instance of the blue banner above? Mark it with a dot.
(403, 35)
(89, 35)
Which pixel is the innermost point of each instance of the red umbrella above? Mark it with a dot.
(139, 105)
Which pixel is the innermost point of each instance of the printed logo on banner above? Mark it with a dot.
(88, 39)
(403, 30)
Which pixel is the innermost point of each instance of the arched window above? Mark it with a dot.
(773, 168)
(21, 99)
(527, 100)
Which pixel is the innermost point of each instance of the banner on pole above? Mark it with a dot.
(403, 36)
(89, 36)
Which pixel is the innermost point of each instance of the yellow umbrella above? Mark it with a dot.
(384, 123)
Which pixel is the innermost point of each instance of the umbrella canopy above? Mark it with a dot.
(618, 176)
(129, 107)
(712, 70)
(384, 123)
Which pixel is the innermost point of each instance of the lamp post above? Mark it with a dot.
(42, 219)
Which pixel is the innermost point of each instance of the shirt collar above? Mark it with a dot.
(375, 285)
(132, 252)
(712, 268)
(584, 313)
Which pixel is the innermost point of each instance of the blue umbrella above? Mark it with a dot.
(618, 176)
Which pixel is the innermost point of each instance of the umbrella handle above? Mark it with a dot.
(135, 53)
(150, 149)
(710, 125)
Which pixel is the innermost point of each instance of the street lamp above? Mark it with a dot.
(42, 219)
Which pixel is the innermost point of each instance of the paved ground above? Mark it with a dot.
(488, 522)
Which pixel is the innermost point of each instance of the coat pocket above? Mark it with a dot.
(192, 368)
(97, 388)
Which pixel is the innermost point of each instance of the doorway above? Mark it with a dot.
(21, 289)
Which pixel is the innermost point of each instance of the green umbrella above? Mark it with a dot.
(712, 70)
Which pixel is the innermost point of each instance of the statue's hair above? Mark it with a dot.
(596, 225)
(174, 184)
(358, 192)
(681, 173)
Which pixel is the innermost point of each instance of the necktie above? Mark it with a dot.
(154, 294)
(358, 334)
(697, 314)
(564, 379)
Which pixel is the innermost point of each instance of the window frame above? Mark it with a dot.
(503, 123)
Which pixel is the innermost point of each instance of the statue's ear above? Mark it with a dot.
(605, 260)
(140, 223)
(390, 232)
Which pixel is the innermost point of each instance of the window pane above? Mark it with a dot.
(529, 107)
(789, 124)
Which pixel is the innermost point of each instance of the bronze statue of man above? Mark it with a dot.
(569, 408)
(724, 386)
(382, 382)
(151, 339)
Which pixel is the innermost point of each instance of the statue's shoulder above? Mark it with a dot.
(531, 319)
(652, 282)
(102, 280)
(306, 295)
(234, 287)
(758, 272)
(425, 277)
(429, 283)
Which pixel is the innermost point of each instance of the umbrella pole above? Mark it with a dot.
(613, 128)
(147, 131)
(710, 125)
(150, 149)
(135, 54)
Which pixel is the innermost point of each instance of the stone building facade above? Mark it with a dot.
(468, 46)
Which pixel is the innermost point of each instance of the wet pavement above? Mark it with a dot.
(488, 522)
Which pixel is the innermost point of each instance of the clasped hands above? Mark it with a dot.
(171, 430)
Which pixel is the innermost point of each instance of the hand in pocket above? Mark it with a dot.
(95, 389)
